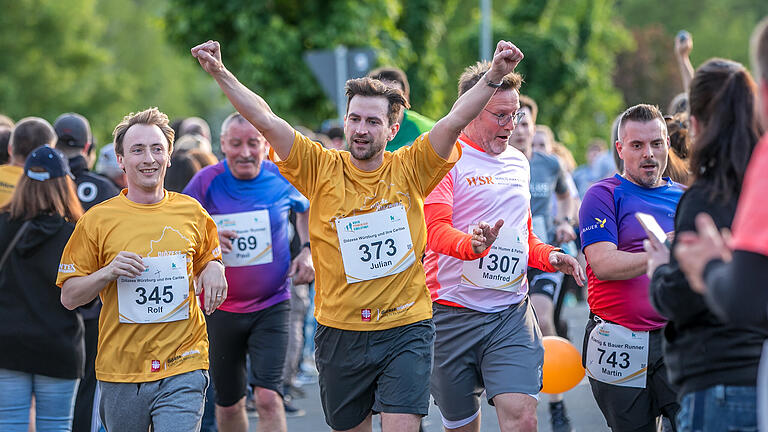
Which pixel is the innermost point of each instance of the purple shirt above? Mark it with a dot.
(608, 214)
(256, 287)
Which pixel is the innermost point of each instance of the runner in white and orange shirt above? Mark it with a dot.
(487, 337)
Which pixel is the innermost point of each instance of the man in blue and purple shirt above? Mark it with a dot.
(250, 202)
(622, 344)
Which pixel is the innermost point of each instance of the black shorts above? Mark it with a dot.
(263, 335)
(635, 409)
(380, 371)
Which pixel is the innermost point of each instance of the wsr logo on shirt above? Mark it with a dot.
(481, 180)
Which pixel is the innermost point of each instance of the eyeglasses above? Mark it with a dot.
(504, 119)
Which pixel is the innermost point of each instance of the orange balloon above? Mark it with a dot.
(562, 365)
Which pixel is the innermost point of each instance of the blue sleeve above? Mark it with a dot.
(597, 217)
(195, 189)
(299, 203)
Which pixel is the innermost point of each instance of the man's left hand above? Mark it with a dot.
(564, 233)
(505, 59)
(567, 264)
(213, 284)
(302, 268)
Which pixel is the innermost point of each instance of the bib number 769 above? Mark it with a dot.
(154, 295)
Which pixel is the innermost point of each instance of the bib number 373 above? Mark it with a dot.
(617, 355)
(160, 294)
(375, 245)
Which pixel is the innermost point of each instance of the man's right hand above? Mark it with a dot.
(225, 240)
(209, 56)
(484, 235)
(126, 264)
(505, 59)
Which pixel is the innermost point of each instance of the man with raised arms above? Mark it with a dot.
(367, 230)
(487, 334)
(147, 252)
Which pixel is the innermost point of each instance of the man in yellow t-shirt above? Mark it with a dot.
(28, 134)
(367, 231)
(147, 253)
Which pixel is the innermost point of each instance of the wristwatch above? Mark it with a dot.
(492, 84)
(306, 245)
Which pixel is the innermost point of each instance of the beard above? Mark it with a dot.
(374, 147)
(648, 180)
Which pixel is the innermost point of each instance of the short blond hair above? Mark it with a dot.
(150, 116)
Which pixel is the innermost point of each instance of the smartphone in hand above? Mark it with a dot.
(652, 228)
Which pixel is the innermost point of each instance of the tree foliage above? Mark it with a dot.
(570, 48)
(719, 29)
(101, 58)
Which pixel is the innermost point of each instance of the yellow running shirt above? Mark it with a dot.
(9, 177)
(130, 352)
(366, 206)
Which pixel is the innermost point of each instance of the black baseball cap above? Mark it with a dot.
(46, 163)
(73, 130)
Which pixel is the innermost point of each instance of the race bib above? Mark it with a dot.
(253, 245)
(375, 245)
(160, 294)
(617, 355)
(504, 268)
(539, 226)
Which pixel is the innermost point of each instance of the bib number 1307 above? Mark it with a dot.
(500, 262)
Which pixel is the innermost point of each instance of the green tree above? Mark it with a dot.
(570, 49)
(101, 58)
(719, 29)
(263, 43)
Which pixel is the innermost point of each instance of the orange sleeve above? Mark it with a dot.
(538, 251)
(443, 238)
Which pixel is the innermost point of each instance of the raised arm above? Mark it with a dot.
(683, 47)
(277, 131)
(445, 132)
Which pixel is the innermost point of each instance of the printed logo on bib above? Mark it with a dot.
(617, 355)
(160, 294)
(505, 266)
(375, 245)
(253, 244)
(155, 366)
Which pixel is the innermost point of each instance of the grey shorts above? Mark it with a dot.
(474, 351)
(636, 409)
(170, 404)
(380, 371)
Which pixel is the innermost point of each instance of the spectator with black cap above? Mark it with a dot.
(28, 134)
(74, 140)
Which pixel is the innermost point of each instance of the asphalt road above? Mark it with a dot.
(581, 406)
